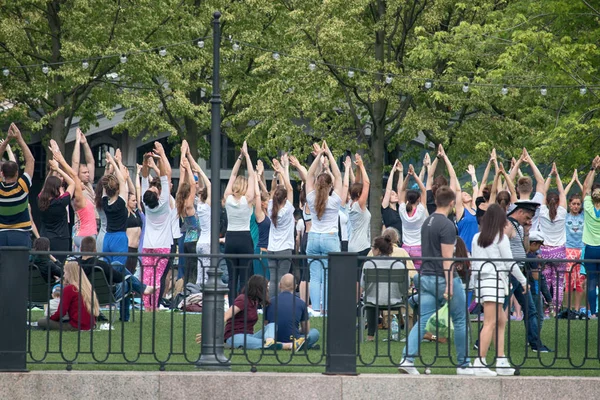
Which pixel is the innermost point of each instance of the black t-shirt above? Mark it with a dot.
(391, 219)
(112, 275)
(437, 230)
(54, 219)
(431, 207)
(116, 214)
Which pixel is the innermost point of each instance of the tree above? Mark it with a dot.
(57, 32)
(377, 38)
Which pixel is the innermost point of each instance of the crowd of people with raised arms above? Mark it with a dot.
(429, 215)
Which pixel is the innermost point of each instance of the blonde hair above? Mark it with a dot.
(240, 186)
(73, 276)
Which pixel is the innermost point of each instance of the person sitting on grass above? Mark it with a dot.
(46, 263)
(78, 300)
(243, 315)
(285, 314)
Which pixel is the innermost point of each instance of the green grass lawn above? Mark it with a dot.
(131, 346)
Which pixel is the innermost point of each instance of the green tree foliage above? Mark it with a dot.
(49, 32)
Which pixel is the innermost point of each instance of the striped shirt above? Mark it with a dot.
(516, 243)
(14, 202)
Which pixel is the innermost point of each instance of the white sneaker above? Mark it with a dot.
(407, 367)
(480, 369)
(465, 370)
(503, 367)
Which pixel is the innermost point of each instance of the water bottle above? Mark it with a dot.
(395, 328)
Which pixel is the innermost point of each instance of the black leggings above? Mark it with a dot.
(191, 263)
(239, 269)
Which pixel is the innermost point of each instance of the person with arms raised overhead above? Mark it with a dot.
(15, 219)
(323, 236)
(158, 234)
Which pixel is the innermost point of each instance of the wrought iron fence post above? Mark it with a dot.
(212, 355)
(341, 314)
(14, 273)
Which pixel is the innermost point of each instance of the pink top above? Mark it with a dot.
(85, 221)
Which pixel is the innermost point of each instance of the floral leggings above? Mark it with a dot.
(153, 268)
(555, 272)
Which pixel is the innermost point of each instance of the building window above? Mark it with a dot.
(100, 154)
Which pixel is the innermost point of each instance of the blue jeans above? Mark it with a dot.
(15, 238)
(312, 338)
(431, 297)
(592, 270)
(124, 288)
(531, 312)
(320, 244)
(251, 341)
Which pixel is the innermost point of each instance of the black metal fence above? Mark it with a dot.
(357, 330)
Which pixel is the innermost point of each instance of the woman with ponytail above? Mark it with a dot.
(323, 237)
(413, 214)
(552, 225)
(281, 232)
(77, 300)
(239, 201)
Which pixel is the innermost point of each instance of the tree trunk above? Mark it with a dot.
(377, 160)
(378, 135)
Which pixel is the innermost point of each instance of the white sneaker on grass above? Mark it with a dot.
(408, 367)
(466, 369)
(480, 368)
(503, 367)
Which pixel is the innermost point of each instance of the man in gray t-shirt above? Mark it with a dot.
(437, 230)
(438, 284)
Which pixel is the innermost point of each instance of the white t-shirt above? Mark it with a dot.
(343, 224)
(238, 214)
(281, 237)
(360, 220)
(158, 233)
(328, 223)
(175, 221)
(411, 225)
(554, 232)
(203, 211)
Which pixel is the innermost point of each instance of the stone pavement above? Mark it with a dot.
(108, 385)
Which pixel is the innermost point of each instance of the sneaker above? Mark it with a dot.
(407, 367)
(271, 344)
(466, 369)
(480, 368)
(503, 367)
(541, 349)
(315, 347)
(476, 345)
(298, 343)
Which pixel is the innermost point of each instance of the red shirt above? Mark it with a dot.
(248, 314)
(71, 302)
